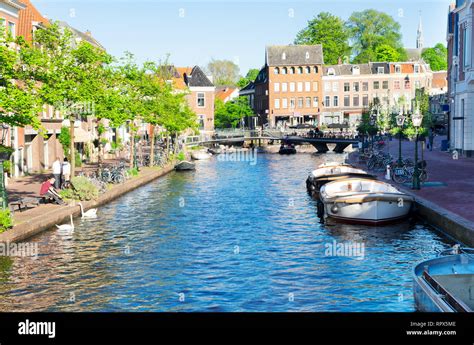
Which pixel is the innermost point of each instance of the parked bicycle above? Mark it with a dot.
(405, 172)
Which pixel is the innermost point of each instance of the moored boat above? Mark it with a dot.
(328, 173)
(184, 166)
(446, 283)
(200, 155)
(287, 149)
(364, 201)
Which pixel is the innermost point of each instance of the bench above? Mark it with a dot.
(23, 203)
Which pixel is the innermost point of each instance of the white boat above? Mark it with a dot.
(329, 173)
(364, 201)
(200, 155)
(334, 164)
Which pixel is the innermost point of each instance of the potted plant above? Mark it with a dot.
(5, 152)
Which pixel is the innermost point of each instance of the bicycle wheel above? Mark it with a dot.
(423, 175)
(371, 164)
(118, 178)
(399, 176)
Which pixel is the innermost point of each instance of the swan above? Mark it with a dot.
(92, 213)
(66, 227)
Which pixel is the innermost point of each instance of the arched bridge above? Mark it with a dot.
(321, 144)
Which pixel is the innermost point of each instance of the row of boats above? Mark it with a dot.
(348, 194)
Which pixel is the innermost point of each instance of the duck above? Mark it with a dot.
(66, 227)
(92, 213)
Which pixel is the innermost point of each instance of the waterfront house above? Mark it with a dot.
(226, 93)
(461, 76)
(287, 89)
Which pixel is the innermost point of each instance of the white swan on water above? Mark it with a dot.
(92, 213)
(66, 227)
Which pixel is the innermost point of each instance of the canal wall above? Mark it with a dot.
(61, 215)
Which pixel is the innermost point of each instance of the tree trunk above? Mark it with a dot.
(152, 145)
(132, 149)
(72, 156)
(167, 144)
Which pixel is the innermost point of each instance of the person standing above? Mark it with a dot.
(66, 171)
(431, 135)
(57, 173)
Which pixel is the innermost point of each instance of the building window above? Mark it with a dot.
(336, 101)
(417, 84)
(276, 70)
(398, 69)
(300, 102)
(465, 47)
(307, 86)
(315, 102)
(308, 70)
(417, 68)
(285, 103)
(284, 70)
(201, 121)
(355, 86)
(331, 71)
(283, 56)
(292, 70)
(315, 86)
(276, 87)
(335, 87)
(300, 70)
(347, 87)
(347, 101)
(355, 101)
(407, 84)
(365, 100)
(11, 29)
(385, 84)
(327, 86)
(284, 87)
(292, 103)
(380, 70)
(300, 86)
(376, 85)
(316, 69)
(201, 99)
(277, 103)
(327, 101)
(308, 102)
(355, 70)
(292, 87)
(396, 85)
(365, 86)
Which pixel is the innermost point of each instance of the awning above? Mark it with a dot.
(338, 125)
(82, 136)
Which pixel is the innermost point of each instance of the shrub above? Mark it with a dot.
(181, 156)
(83, 190)
(65, 139)
(5, 220)
(78, 159)
(7, 167)
(132, 172)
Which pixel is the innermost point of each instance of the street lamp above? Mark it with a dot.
(400, 121)
(417, 118)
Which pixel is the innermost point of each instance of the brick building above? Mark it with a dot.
(287, 89)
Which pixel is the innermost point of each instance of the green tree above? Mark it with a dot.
(19, 101)
(72, 77)
(370, 29)
(223, 72)
(330, 31)
(437, 57)
(229, 115)
(249, 77)
(387, 53)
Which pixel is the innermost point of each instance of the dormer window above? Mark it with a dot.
(284, 70)
(331, 71)
(355, 70)
(398, 69)
(308, 70)
(292, 70)
(307, 55)
(316, 70)
(300, 70)
(283, 56)
(276, 70)
(380, 70)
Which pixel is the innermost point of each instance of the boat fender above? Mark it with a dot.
(334, 208)
(388, 173)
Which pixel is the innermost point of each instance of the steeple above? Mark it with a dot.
(419, 36)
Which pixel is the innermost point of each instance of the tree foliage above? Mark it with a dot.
(370, 30)
(436, 57)
(230, 114)
(249, 77)
(223, 72)
(330, 31)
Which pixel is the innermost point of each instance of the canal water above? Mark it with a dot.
(231, 236)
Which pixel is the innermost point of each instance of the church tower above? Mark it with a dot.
(419, 36)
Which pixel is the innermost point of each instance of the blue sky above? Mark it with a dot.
(195, 31)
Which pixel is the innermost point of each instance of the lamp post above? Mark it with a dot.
(400, 121)
(417, 118)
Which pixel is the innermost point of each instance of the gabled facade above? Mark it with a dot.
(201, 94)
